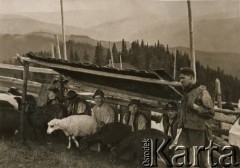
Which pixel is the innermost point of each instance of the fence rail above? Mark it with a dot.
(221, 115)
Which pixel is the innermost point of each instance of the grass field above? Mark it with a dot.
(17, 155)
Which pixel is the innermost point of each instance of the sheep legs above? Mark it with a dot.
(69, 141)
(76, 142)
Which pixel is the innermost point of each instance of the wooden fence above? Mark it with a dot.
(226, 118)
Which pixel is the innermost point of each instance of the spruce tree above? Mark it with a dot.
(85, 56)
(124, 52)
(115, 53)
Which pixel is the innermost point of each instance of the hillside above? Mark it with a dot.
(13, 24)
(229, 62)
(221, 35)
(21, 44)
(12, 44)
(41, 41)
(215, 34)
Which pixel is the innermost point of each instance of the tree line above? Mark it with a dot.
(149, 57)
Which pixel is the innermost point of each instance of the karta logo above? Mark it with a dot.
(181, 155)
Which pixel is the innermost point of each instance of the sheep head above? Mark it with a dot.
(53, 125)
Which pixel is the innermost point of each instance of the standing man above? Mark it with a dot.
(134, 118)
(197, 112)
(102, 112)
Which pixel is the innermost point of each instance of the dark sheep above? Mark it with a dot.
(9, 119)
(39, 116)
(109, 134)
(133, 144)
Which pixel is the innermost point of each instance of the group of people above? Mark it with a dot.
(188, 122)
(102, 112)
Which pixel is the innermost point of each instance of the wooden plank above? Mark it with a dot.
(31, 69)
(227, 112)
(119, 94)
(7, 82)
(230, 119)
(99, 73)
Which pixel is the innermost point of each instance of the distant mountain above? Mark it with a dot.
(214, 34)
(229, 62)
(12, 24)
(221, 35)
(41, 41)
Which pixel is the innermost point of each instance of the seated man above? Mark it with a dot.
(171, 121)
(102, 112)
(134, 118)
(75, 104)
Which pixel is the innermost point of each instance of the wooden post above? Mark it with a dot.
(219, 95)
(219, 99)
(120, 57)
(193, 64)
(53, 55)
(63, 32)
(111, 54)
(174, 64)
(58, 48)
(24, 96)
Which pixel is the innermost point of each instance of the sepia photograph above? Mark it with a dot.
(119, 83)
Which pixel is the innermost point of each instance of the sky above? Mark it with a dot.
(121, 7)
(95, 12)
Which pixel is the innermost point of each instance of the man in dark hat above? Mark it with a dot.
(75, 104)
(102, 112)
(14, 91)
(171, 122)
(133, 117)
(197, 112)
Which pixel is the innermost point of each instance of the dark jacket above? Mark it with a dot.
(136, 123)
(172, 126)
(198, 118)
(77, 104)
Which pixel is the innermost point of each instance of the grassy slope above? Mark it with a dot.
(14, 154)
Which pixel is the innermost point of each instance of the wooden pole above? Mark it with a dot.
(58, 48)
(120, 57)
(193, 64)
(219, 95)
(174, 64)
(63, 32)
(111, 54)
(219, 100)
(24, 96)
(53, 55)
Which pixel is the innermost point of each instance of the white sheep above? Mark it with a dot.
(72, 126)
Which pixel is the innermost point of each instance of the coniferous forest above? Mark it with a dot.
(141, 56)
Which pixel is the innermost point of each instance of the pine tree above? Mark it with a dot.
(85, 56)
(99, 54)
(124, 52)
(108, 57)
(115, 53)
(76, 57)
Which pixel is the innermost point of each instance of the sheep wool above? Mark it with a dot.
(77, 125)
(73, 126)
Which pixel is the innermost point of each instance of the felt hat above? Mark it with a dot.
(187, 71)
(71, 94)
(134, 101)
(171, 106)
(98, 92)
